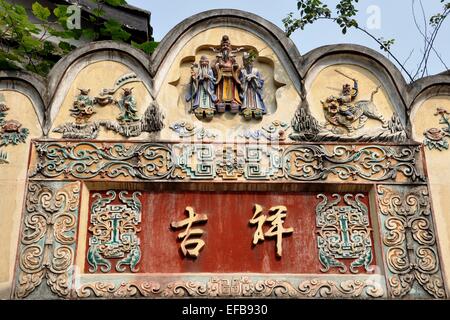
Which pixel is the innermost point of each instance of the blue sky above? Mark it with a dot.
(396, 21)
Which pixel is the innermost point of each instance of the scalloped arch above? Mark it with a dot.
(45, 92)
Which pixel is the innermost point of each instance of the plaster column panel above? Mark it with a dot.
(438, 166)
(12, 183)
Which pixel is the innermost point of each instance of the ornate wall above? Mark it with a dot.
(226, 164)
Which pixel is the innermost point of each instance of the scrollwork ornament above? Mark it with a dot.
(343, 232)
(371, 163)
(114, 232)
(237, 287)
(160, 161)
(48, 237)
(409, 242)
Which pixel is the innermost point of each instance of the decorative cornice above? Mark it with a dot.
(240, 287)
(143, 161)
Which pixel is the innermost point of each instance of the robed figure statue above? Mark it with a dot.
(252, 90)
(227, 74)
(201, 93)
(128, 107)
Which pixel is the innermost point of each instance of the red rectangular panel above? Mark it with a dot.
(228, 234)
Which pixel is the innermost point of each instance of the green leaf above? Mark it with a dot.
(40, 12)
(114, 30)
(47, 48)
(116, 3)
(89, 33)
(42, 68)
(65, 46)
(20, 10)
(148, 46)
(97, 12)
(60, 11)
(30, 44)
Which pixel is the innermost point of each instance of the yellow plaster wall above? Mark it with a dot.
(327, 82)
(95, 77)
(438, 166)
(12, 184)
(280, 96)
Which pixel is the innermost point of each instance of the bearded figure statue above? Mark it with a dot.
(228, 84)
(201, 92)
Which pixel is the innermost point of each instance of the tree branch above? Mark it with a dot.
(377, 41)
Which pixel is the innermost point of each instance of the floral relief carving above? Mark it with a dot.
(437, 138)
(11, 131)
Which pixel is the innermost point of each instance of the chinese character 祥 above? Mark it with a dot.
(189, 246)
(277, 214)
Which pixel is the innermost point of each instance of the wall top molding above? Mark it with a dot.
(298, 66)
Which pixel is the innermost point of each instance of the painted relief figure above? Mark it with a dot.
(224, 85)
(345, 100)
(128, 107)
(83, 106)
(344, 111)
(252, 87)
(227, 74)
(201, 93)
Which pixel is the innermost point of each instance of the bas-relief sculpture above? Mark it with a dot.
(11, 131)
(344, 233)
(225, 85)
(344, 111)
(235, 287)
(114, 232)
(128, 124)
(226, 69)
(345, 118)
(152, 161)
(48, 238)
(381, 155)
(436, 138)
(202, 92)
(409, 241)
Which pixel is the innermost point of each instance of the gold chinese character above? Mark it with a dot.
(190, 247)
(278, 213)
(258, 219)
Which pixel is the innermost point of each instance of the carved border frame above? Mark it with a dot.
(223, 285)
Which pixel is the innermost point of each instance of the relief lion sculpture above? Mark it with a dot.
(343, 111)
